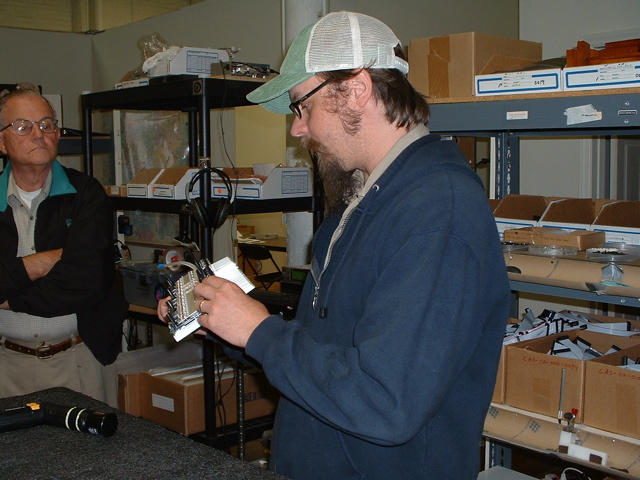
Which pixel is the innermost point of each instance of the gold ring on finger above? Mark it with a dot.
(200, 306)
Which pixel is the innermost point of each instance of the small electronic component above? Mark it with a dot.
(183, 313)
(183, 305)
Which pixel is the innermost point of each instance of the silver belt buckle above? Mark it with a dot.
(41, 351)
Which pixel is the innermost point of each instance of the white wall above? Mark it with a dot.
(69, 64)
(560, 167)
(560, 24)
(255, 27)
(59, 62)
(563, 167)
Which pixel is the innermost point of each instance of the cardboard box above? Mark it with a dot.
(188, 61)
(601, 321)
(493, 203)
(446, 66)
(175, 397)
(594, 77)
(534, 378)
(254, 451)
(116, 190)
(517, 211)
(582, 239)
(612, 394)
(620, 221)
(568, 214)
(501, 379)
(173, 182)
(501, 376)
(518, 83)
(281, 182)
(130, 366)
(142, 182)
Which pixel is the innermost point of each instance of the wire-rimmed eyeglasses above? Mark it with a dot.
(24, 127)
(295, 106)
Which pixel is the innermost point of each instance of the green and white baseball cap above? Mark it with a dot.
(338, 41)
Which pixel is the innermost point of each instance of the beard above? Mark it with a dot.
(339, 184)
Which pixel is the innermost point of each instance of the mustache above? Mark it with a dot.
(313, 145)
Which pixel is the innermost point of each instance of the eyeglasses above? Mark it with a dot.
(295, 106)
(24, 127)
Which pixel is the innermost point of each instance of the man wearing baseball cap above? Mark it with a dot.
(388, 368)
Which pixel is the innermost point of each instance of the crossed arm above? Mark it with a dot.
(37, 265)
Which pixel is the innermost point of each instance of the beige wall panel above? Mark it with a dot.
(55, 15)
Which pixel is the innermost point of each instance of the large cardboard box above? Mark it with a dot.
(130, 366)
(612, 394)
(446, 66)
(174, 397)
(534, 378)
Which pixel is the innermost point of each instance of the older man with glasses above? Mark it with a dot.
(60, 316)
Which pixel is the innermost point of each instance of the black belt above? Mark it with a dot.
(43, 350)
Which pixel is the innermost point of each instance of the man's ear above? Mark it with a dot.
(361, 87)
(3, 149)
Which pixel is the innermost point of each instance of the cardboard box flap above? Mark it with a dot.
(523, 207)
(490, 48)
(171, 176)
(145, 176)
(166, 354)
(570, 210)
(619, 214)
(601, 202)
(502, 63)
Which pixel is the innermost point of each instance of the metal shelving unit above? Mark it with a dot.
(509, 118)
(197, 97)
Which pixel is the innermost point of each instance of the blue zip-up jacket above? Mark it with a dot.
(390, 376)
(77, 216)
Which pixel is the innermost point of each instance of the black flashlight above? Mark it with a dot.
(72, 418)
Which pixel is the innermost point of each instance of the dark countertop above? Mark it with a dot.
(139, 449)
